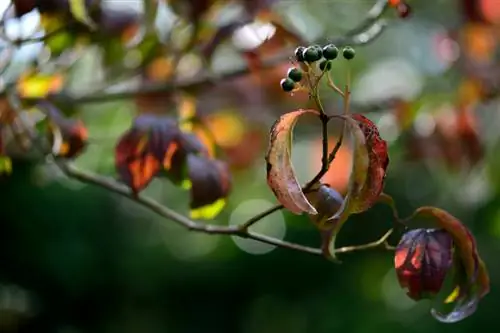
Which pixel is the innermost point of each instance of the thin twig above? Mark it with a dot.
(382, 241)
(113, 186)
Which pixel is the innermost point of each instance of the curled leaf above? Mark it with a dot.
(370, 161)
(471, 277)
(378, 163)
(281, 176)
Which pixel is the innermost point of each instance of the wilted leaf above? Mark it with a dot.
(143, 150)
(211, 183)
(378, 162)
(471, 285)
(281, 176)
(370, 161)
(422, 260)
(67, 136)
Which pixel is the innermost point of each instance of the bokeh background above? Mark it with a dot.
(75, 258)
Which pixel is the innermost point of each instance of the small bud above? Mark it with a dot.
(295, 74)
(330, 52)
(325, 65)
(287, 84)
(348, 53)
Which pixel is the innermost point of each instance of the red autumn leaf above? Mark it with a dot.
(281, 176)
(471, 280)
(144, 150)
(135, 164)
(423, 258)
(379, 161)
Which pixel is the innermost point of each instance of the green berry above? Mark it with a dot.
(348, 53)
(325, 65)
(330, 52)
(312, 54)
(295, 74)
(299, 53)
(287, 84)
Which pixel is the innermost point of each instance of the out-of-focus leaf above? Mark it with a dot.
(211, 183)
(7, 115)
(258, 8)
(5, 161)
(281, 176)
(80, 12)
(189, 122)
(32, 85)
(23, 6)
(60, 39)
(474, 283)
(67, 136)
(5, 165)
(144, 149)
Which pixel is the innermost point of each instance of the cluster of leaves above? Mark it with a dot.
(424, 257)
(156, 146)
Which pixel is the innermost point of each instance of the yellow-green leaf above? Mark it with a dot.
(79, 11)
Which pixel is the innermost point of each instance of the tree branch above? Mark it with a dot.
(113, 186)
(362, 34)
(236, 230)
(202, 80)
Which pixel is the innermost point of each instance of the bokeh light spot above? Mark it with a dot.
(272, 225)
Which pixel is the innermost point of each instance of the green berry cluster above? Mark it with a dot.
(328, 52)
(312, 54)
(293, 76)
